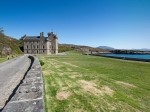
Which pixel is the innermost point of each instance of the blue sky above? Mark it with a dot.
(123, 24)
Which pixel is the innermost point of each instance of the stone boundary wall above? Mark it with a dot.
(29, 95)
(11, 75)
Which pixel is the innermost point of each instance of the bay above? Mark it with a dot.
(134, 56)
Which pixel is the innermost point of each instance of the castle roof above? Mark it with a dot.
(37, 38)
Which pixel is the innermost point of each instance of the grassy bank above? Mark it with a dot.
(2, 59)
(80, 83)
(5, 58)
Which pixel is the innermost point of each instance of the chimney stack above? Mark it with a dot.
(42, 34)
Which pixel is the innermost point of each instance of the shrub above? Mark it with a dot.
(42, 63)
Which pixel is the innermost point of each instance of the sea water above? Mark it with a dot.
(134, 56)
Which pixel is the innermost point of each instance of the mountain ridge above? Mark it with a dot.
(106, 47)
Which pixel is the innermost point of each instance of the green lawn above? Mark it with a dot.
(81, 83)
(3, 59)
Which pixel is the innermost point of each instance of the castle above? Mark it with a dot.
(40, 44)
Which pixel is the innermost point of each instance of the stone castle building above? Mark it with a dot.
(40, 44)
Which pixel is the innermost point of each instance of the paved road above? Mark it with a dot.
(11, 73)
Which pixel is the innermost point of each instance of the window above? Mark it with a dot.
(27, 46)
(43, 51)
(37, 52)
(43, 46)
(27, 51)
(37, 46)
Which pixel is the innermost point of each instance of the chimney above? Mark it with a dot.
(42, 34)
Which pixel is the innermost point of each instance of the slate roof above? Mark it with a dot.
(37, 38)
(32, 38)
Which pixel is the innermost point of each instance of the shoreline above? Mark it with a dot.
(123, 58)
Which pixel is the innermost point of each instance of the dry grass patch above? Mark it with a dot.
(125, 84)
(63, 95)
(107, 90)
(57, 66)
(90, 87)
(48, 72)
(61, 74)
(79, 110)
(74, 75)
(70, 70)
(70, 64)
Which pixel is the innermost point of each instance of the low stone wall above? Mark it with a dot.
(11, 73)
(28, 96)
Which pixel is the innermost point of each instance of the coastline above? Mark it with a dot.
(123, 58)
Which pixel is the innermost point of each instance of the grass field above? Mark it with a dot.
(80, 83)
(3, 59)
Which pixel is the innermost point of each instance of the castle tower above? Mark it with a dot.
(54, 42)
(42, 43)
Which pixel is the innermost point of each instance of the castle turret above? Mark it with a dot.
(54, 42)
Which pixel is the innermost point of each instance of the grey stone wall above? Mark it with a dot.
(29, 95)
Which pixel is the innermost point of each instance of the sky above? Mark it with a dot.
(122, 24)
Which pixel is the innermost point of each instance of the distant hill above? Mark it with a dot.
(143, 49)
(106, 47)
(81, 48)
(9, 45)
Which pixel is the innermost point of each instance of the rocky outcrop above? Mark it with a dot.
(6, 50)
